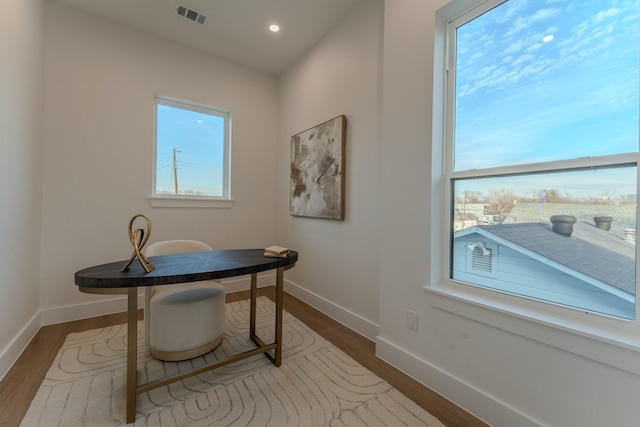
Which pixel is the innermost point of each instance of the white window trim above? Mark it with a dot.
(189, 202)
(609, 340)
(184, 201)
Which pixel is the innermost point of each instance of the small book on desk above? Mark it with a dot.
(276, 252)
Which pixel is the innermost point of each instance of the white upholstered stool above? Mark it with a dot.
(185, 320)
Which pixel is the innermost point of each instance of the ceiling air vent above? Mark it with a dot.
(192, 15)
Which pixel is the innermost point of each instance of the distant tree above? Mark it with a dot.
(501, 201)
(551, 195)
(605, 197)
(468, 197)
(628, 198)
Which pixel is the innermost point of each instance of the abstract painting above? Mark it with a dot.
(317, 171)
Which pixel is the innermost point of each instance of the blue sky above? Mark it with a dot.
(199, 140)
(549, 80)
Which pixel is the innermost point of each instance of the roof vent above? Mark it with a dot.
(190, 14)
(482, 258)
(603, 222)
(562, 224)
(630, 235)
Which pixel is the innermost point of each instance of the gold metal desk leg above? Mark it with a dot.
(132, 352)
(279, 296)
(252, 309)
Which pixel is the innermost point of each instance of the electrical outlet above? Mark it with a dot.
(412, 320)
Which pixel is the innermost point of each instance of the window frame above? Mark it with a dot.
(180, 200)
(573, 330)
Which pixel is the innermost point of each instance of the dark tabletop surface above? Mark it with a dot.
(181, 268)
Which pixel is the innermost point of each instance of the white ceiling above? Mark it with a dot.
(236, 30)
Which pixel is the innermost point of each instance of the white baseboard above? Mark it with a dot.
(243, 283)
(490, 410)
(102, 307)
(12, 351)
(118, 304)
(348, 318)
(115, 304)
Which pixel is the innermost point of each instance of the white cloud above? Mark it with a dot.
(601, 16)
(536, 46)
(514, 47)
(519, 52)
(544, 14)
(528, 21)
(522, 59)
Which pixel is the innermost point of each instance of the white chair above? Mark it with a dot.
(185, 320)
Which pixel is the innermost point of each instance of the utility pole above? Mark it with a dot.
(175, 171)
(464, 203)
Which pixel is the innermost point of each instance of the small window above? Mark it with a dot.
(192, 151)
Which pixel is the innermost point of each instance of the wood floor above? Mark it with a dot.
(19, 386)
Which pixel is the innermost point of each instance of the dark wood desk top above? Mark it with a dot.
(181, 268)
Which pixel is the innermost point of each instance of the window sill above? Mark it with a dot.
(189, 202)
(611, 341)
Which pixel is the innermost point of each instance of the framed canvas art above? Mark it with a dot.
(317, 171)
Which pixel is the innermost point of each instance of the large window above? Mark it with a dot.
(541, 153)
(192, 151)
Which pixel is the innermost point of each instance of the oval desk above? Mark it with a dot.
(182, 268)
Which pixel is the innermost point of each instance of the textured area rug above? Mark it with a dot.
(317, 384)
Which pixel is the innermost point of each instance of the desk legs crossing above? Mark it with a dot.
(133, 389)
(277, 342)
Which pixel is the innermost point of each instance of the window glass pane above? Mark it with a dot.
(564, 237)
(546, 80)
(190, 152)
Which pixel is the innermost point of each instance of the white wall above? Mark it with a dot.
(99, 82)
(337, 270)
(502, 377)
(20, 174)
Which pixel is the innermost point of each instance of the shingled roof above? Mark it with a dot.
(598, 254)
(624, 215)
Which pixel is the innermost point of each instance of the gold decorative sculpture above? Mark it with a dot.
(138, 239)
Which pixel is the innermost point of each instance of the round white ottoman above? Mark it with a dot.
(186, 320)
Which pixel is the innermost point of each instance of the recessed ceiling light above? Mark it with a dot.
(274, 28)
